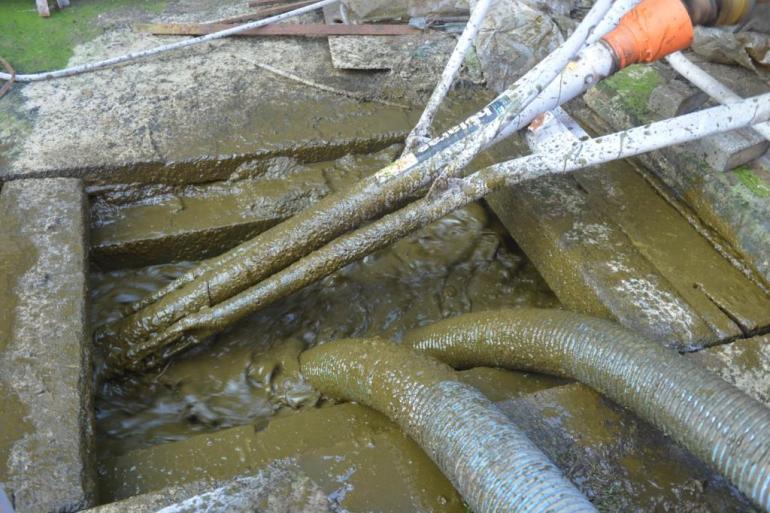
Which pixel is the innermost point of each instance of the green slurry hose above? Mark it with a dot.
(492, 463)
(714, 420)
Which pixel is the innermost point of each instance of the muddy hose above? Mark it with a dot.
(714, 420)
(285, 243)
(492, 463)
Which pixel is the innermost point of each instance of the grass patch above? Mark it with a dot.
(32, 43)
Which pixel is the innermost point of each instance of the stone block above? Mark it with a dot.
(45, 347)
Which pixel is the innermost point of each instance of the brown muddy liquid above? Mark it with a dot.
(463, 263)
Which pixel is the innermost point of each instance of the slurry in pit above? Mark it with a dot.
(463, 263)
(249, 376)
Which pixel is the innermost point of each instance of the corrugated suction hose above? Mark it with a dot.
(714, 420)
(492, 463)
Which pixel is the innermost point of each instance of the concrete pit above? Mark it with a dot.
(115, 183)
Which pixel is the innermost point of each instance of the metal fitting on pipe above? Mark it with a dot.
(714, 420)
(493, 465)
(719, 12)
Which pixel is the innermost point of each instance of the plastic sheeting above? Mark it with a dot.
(747, 49)
(513, 38)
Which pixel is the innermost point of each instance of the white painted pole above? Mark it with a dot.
(419, 133)
(592, 64)
(709, 85)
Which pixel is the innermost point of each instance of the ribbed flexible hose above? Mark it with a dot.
(492, 464)
(713, 419)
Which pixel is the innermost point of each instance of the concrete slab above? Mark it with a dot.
(278, 488)
(172, 223)
(136, 225)
(727, 301)
(733, 206)
(597, 224)
(354, 454)
(45, 347)
(609, 244)
(744, 363)
(618, 461)
(592, 265)
(622, 463)
(197, 114)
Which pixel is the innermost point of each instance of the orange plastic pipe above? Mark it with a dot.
(650, 31)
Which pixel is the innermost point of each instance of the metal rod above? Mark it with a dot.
(709, 85)
(420, 130)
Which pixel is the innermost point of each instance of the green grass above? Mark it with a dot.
(32, 43)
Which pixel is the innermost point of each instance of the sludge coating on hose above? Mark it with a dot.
(714, 420)
(492, 463)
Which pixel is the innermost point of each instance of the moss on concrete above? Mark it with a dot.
(633, 86)
(757, 185)
(32, 43)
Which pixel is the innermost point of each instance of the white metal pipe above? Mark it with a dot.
(594, 63)
(610, 21)
(92, 66)
(420, 130)
(709, 85)
(590, 66)
(525, 90)
(654, 136)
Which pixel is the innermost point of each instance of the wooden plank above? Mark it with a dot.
(745, 363)
(281, 8)
(281, 29)
(42, 8)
